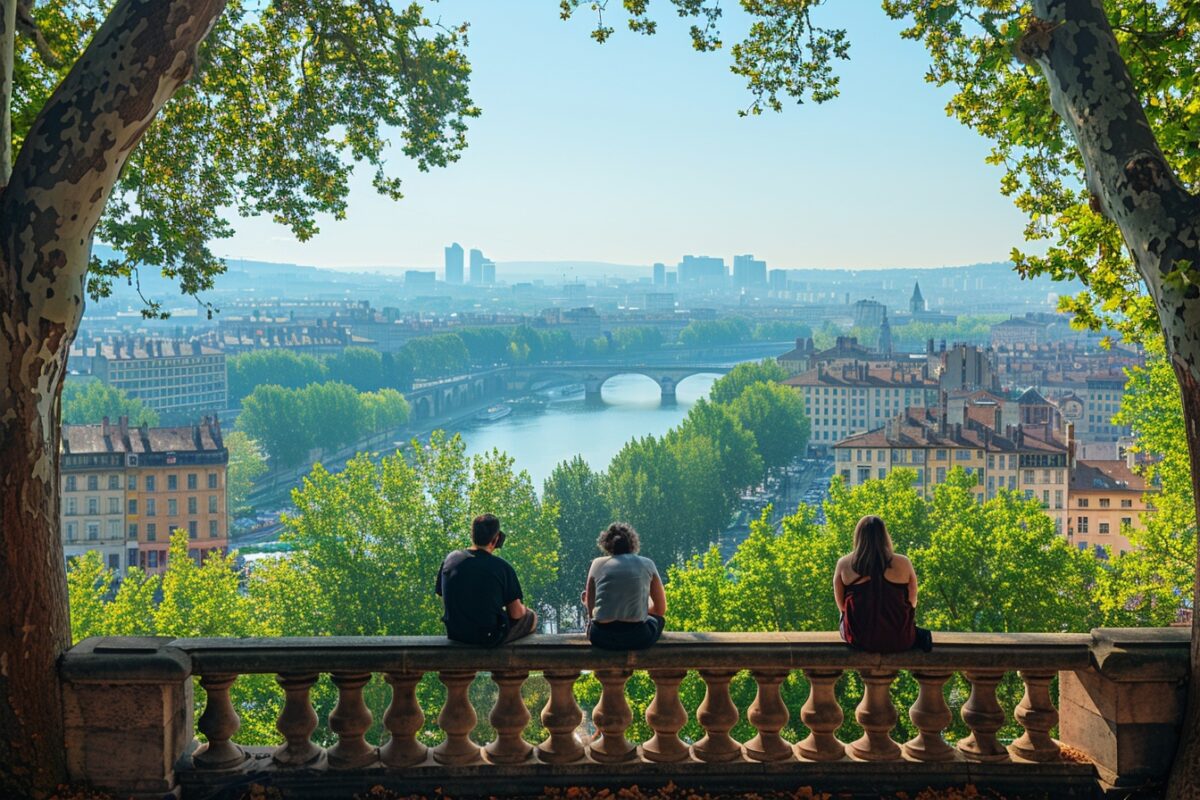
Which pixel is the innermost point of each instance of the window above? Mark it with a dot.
(212, 529)
(131, 484)
(132, 505)
(72, 531)
(1058, 498)
(212, 504)
(172, 507)
(172, 483)
(191, 481)
(1126, 522)
(191, 529)
(1081, 524)
(93, 505)
(212, 480)
(114, 481)
(114, 561)
(72, 507)
(132, 530)
(71, 483)
(93, 483)
(93, 531)
(1083, 502)
(1027, 476)
(114, 529)
(940, 455)
(1105, 502)
(151, 532)
(1126, 502)
(882, 473)
(962, 455)
(191, 505)
(152, 559)
(941, 474)
(151, 506)
(864, 474)
(1104, 527)
(150, 483)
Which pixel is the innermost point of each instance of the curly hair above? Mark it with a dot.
(618, 539)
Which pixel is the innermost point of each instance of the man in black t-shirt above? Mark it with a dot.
(481, 593)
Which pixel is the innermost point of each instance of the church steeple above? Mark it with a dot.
(917, 304)
(885, 336)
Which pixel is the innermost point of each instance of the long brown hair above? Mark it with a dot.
(872, 547)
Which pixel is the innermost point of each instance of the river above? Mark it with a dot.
(541, 437)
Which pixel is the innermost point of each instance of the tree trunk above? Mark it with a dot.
(1130, 180)
(66, 169)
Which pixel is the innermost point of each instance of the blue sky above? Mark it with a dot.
(632, 152)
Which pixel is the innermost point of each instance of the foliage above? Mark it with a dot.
(710, 333)
(246, 464)
(779, 330)
(776, 417)
(386, 409)
(91, 401)
(578, 493)
(635, 339)
(642, 487)
(437, 356)
(274, 366)
(727, 388)
(360, 367)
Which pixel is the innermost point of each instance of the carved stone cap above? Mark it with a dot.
(1141, 654)
(125, 659)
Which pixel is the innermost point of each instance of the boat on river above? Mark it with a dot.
(559, 394)
(493, 413)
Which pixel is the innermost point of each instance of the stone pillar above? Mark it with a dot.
(509, 718)
(768, 715)
(822, 715)
(457, 719)
(297, 721)
(931, 715)
(130, 696)
(666, 716)
(1037, 715)
(403, 720)
(219, 723)
(612, 716)
(1125, 711)
(350, 720)
(984, 716)
(877, 714)
(717, 715)
(561, 717)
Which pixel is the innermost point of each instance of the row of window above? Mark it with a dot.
(151, 506)
(91, 530)
(1105, 502)
(1081, 524)
(113, 481)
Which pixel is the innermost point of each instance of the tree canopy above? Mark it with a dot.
(91, 401)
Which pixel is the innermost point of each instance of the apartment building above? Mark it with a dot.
(147, 483)
(178, 379)
(1105, 500)
(1031, 459)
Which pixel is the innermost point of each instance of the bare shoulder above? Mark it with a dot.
(903, 562)
(843, 567)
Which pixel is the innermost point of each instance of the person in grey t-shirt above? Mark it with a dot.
(624, 595)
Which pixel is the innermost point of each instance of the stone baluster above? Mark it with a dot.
(768, 715)
(822, 715)
(561, 717)
(717, 715)
(350, 720)
(984, 716)
(457, 719)
(612, 717)
(1037, 714)
(509, 717)
(218, 723)
(403, 720)
(666, 716)
(931, 716)
(297, 721)
(877, 715)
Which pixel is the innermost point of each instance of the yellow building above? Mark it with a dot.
(1106, 499)
(166, 479)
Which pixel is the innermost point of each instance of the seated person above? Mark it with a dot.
(624, 595)
(481, 593)
(876, 591)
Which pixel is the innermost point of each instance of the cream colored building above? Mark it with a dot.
(1106, 500)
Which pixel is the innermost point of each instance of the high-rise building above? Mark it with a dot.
(777, 279)
(454, 263)
(748, 272)
(660, 274)
(477, 260)
(703, 271)
(420, 279)
(488, 272)
(124, 490)
(176, 378)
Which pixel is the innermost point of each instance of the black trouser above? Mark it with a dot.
(626, 635)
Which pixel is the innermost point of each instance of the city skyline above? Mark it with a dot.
(567, 163)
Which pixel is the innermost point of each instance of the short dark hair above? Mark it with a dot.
(484, 528)
(618, 539)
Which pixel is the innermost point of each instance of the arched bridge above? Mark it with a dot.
(594, 376)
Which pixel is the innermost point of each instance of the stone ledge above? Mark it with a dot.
(125, 659)
(953, 651)
(1142, 654)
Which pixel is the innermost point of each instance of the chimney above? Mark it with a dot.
(124, 427)
(104, 427)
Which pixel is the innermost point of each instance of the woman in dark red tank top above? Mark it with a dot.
(876, 591)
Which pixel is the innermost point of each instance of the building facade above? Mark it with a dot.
(850, 398)
(124, 490)
(177, 379)
(454, 263)
(1106, 500)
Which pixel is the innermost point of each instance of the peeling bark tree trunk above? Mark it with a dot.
(1133, 185)
(61, 179)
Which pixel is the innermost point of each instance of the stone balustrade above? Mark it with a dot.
(1120, 702)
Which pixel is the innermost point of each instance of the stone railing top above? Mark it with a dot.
(1126, 654)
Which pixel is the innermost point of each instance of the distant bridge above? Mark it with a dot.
(594, 376)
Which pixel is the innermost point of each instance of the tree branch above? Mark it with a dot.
(28, 26)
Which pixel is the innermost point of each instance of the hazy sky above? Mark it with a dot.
(632, 152)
